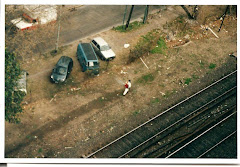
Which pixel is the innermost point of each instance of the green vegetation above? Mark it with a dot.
(155, 100)
(39, 150)
(146, 79)
(212, 66)
(144, 45)
(167, 94)
(161, 46)
(13, 98)
(201, 63)
(132, 26)
(195, 76)
(187, 81)
(136, 112)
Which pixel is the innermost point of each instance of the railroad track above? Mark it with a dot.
(208, 139)
(165, 131)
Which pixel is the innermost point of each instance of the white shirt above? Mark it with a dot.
(129, 84)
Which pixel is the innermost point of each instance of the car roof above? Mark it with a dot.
(63, 61)
(100, 41)
(88, 51)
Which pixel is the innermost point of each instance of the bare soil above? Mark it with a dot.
(86, 112)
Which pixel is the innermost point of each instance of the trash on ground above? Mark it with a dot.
(126, 45)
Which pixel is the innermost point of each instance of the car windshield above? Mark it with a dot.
(61, 70)
(105, 47)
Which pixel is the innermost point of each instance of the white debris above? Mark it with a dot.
(126, 45)
(122, 72)
(144, 63)
(74, 89)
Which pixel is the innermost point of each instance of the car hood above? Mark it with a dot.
(58, 78)
(108, 53)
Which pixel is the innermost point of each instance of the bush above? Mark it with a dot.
(13, 98)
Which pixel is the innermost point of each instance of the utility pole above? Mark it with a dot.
(145, 14)
(124, 16)
(129, 17)
(58, 32)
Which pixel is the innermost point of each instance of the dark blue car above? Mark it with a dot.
(62, 69)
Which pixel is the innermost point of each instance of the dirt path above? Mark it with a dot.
(60, 121)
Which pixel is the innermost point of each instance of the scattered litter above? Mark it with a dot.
(168, 68)
(53, 98)
(208, 28)
(68, 147)
(144, 63)
(126, 45)
(35, 137)
(162, 93)
(74, 89)
(122, 72)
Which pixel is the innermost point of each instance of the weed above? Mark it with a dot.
(136, 112)
(212, 66)
(39, 150)
(195, 76)
(193, 55)
(162, 85)
(167, 94)
(201, 63)
(187, 81)
(132, 26)
(146, 78)
(156, 100)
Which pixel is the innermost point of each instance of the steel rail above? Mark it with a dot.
(217, 144)
(162, 113)
(200, 135)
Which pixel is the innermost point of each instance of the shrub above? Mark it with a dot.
(144, 45)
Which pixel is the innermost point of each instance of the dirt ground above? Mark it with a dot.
(86, 112)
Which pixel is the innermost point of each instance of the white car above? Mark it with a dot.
(102, 49)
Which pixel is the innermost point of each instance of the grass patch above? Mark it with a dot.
(161, 46)
(187, 81)
(155, 100)
(195, 76)
(201, 63)
(132, 26)
(167, 94)
(212, 66)
(146, 78)
(136, 112)
(39, 150)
